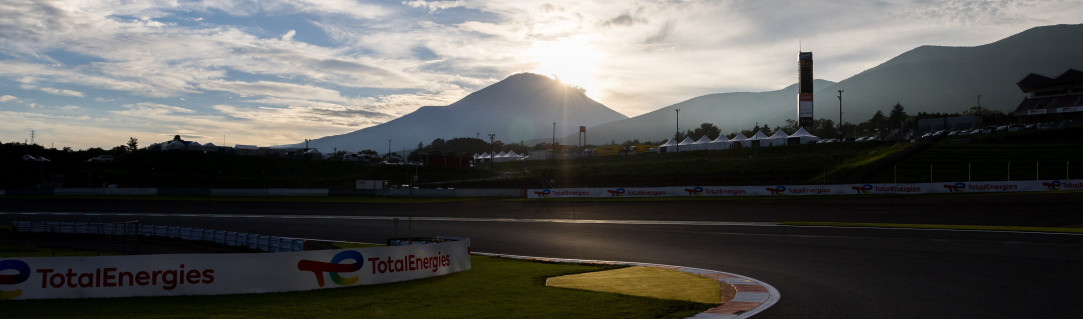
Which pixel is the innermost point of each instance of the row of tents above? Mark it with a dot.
(704, 143)
(722, 142)
(499, 157)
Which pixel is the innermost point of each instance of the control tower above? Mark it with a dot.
(804, 89)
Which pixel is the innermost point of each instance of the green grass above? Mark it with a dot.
(494, 288)
(942, 226)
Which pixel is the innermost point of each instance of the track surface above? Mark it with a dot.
(820, 272)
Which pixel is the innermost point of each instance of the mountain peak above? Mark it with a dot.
(520, 108)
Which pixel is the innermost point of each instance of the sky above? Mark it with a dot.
(85, 74)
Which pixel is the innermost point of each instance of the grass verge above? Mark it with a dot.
(942, 226)
(494, 288)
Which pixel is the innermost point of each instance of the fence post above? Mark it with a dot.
(969, 177)
(930, 173)
(1036, 170)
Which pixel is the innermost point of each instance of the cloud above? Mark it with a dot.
(433, 6)
(625, 19)
(250, 68)
(274, 89)
(54, 91)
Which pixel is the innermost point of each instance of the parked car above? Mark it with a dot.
(101, 158)
(1015, 128)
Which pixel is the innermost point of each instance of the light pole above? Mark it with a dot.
(389, 150)
(678, 133)
(491, 136)
(840, 114)
(554, 143)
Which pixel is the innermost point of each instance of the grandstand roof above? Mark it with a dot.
(1035, 81)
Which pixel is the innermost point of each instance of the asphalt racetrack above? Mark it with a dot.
(821, 272)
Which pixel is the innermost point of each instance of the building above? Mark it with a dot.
(1051, 99)
(804, 86)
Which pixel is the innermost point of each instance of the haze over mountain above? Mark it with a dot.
(930, 79)
(925, 79)
(520, 108)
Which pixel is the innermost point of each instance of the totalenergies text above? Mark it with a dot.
(109, 277)
(409, 263)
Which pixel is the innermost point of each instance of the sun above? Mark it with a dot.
(572, 61)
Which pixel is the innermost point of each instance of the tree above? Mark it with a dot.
(706, 129)
(133, 144)
(898, 116)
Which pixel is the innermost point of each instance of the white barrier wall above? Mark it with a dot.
(782, 190)
(217, 274)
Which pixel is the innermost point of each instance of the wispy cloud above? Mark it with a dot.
(270, 71)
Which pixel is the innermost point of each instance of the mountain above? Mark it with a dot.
(926, 79)
(520, 108)
(731, 112)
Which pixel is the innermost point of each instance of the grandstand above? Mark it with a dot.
(1052, 98)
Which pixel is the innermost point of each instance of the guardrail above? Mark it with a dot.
(228, 238)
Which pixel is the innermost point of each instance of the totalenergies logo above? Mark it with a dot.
(777, 190)
(334, 267)
(1053, 186)
(863, 189)
(544, 193)
(22, 273)
(957, 187)
(694, 191)
(616, 192)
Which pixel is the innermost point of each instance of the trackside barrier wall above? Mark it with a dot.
(800, 190)
(219, 274)
(234, 239)
(426, 192)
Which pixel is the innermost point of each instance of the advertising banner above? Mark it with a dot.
(217, 274)
(805, 190)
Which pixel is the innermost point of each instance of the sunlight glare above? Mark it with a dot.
(571, 61)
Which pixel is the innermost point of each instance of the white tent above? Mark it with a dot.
(701, 144)
(668, 146)
(506, 157)
(778, 139)
(685, 145)
(720, 143)
(759, 137)
(804, 137)
(176, 145)
(741, 139)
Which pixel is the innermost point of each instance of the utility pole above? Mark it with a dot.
(840, 114)
(678, 130)
(491, 136)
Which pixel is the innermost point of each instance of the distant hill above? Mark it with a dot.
(522, 107)
(729, 111)
(925, 79)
